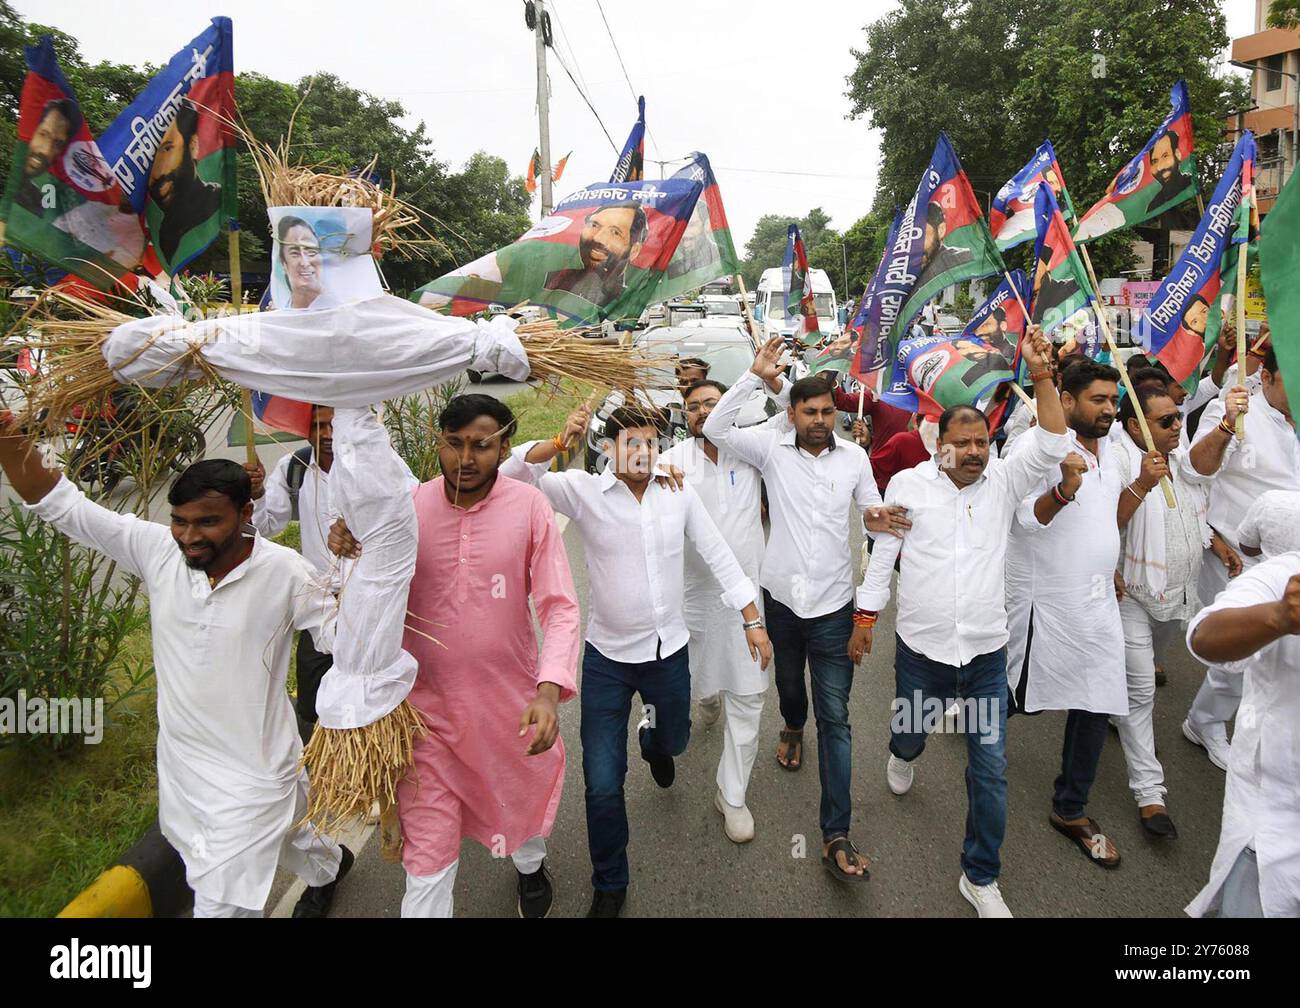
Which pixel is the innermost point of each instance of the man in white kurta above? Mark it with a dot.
(229, 788)
(1252, 630)
(1066, 647)
(1268, 459)
(722, 671)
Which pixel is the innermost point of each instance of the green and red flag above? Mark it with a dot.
(1160, 176)
(62, 202)
(955, 244)
(173, 148)
(601, 254)
(1061, 285)
(934, 373)
(1011, 215)
(630, 166)
(706, 251)
(800, 304)
(1279, 262)
(1245, 227)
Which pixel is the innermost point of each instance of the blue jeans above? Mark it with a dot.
(1085, 737)
(606, 699)
(983, 680)
(821, 643)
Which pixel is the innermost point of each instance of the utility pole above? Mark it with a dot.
(542, 31)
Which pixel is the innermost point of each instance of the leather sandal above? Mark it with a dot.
(1089, 838)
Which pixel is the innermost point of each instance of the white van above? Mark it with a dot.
(769, 304)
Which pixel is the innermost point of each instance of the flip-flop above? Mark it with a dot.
(853, 854)
(1085, 837)
(791, 737)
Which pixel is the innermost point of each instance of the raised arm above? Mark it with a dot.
(754, 446)
(1217, 431)
(134, 543)
(561, 488)
(1045, 444)
(272, 508)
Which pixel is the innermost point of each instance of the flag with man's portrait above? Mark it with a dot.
(800, 304)
(1176, 320)
(602, 253)
(62, 203)
(955, 243)
(706, 251)
(173, 148)
(1060, 286)
(1011, 216)
(933, 373)
(1160, 176)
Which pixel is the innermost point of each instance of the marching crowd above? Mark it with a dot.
(1046, 566)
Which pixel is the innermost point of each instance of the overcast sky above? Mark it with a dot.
(758, 87)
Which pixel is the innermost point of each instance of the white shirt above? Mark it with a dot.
(730, 491)
(228, 744)
(1261, 802)
(808, 566)
(635, 556)
(1062, 576)
(1272, 523)
(951, 595)
(273, 511)
(1269, 459)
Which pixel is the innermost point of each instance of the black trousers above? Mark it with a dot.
(312, 666)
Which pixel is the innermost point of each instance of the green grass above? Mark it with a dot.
(65, 818)
(541, 418)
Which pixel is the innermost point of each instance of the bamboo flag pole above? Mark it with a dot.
(237, 297)
(1241, 316)
(744, 310)
(1165, 485)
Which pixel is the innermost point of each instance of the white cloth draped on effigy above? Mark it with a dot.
(351, 355)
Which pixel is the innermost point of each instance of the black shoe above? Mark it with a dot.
(607, 903)
(535, 893)
(1159, 826)
(662, 768)
(316, 900)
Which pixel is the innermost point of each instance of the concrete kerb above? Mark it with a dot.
(149, 879)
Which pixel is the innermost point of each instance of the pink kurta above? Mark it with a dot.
(474, 572)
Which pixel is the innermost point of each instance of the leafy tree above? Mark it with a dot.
(1284, 14)
(1001, 75)
(337, 127)
(766, 248)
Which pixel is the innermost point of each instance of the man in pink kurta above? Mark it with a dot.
(486, 545)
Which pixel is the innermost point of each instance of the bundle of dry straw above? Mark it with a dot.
(352, 768)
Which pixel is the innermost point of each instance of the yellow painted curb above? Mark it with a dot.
(118, 892)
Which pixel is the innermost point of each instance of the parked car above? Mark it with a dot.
(729, 353)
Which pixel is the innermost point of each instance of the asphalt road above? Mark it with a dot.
(683, 865)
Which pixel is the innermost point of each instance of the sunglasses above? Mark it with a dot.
(1168, 420)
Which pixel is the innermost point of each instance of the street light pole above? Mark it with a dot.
(541, 28)
(844, 251)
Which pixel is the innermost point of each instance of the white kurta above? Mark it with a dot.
(730, 490)
(1063, 573)
(229, 787)
(1261, 802)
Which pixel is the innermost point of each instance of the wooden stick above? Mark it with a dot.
(237, 298)
(744, 310)
(1241, 329)
(1024, 397)
(1165, 485)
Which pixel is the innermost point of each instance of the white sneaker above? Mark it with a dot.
(898, 774)
(737, 822)
(986, 899)
(710, 711)
(1215, 748)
